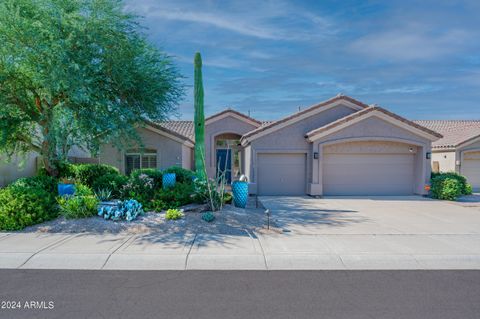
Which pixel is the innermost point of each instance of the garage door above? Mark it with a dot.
(281, 174)
(471, 169)
(368, 174)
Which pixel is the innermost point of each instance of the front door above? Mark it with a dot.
(224, 163)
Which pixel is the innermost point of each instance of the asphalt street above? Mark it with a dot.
(239, 294)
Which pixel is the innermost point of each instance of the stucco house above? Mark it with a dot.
(337, 147)
(459, 149)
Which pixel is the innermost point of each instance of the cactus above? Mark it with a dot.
(199, 118)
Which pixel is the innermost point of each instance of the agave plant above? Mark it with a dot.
(103, 194)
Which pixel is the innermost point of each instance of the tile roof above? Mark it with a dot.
(184, 128)
(367, 110)
(455, 132)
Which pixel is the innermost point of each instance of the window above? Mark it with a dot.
(136, 160)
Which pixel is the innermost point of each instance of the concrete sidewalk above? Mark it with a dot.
(251, 251)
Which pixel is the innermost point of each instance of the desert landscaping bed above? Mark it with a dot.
(231, 220)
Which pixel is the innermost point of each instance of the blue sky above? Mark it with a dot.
(420, 59)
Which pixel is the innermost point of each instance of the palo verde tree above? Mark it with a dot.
(199, 117)
(77, 73)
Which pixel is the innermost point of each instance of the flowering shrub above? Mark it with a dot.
(140, 187)
(127, 210)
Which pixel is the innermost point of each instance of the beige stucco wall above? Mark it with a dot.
(384, 136)
(446, 160)
(292, 139)
(169, 151)
(17, 167)
(225, 125)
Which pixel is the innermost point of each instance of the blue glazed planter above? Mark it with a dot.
(66, 189)
(240, 193)
(168, 180)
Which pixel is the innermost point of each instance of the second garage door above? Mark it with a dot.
(281, 173)
(368, 174)
(471, 169)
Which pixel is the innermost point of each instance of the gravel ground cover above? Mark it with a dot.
(231, 220)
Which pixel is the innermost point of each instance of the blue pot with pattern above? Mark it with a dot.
(168, 180)
(240, 193)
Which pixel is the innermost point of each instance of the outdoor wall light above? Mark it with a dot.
(315, 155)
(429, 155)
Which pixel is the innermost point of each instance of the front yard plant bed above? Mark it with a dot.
(231, 220)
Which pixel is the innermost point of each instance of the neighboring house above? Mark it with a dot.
(459, 149)
(337, 147)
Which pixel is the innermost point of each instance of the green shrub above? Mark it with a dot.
(113, 182)
(208, 217)
(179, 195)
(88, 174)
(183, 176)
(446, 187)
(174, 214)
(468, 189)
(27, 202)
(154, 174)
(83, 190)
(78, 206)
(46, 183)
(460, 178)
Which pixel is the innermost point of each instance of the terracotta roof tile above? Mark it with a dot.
(455, 132)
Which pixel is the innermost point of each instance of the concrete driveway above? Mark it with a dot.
(372, 232)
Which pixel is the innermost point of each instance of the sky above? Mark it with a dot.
(419, 59)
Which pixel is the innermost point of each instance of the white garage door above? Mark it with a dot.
(281, 174)
(368, 174)
(471, 169)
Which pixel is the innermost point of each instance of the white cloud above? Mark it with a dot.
(411, 44)
(255, 19)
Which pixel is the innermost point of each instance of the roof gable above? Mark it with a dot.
(298, 116)
(235, 114)
(367, 113)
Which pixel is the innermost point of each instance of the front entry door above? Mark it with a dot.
(224, 163)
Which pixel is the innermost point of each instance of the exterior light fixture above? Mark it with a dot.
(429, 155)
(315, 155)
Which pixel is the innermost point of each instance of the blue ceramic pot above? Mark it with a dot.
(168, 180)
(66, 189)
(240, 193)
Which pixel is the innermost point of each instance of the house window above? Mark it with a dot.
(136, 160)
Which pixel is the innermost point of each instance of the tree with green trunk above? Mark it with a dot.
(199, 119)
(78, 73)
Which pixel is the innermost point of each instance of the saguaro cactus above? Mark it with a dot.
(199, 118)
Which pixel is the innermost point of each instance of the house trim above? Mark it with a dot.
(365, 114)
(299, 116)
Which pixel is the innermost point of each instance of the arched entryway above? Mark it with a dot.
(229, 156)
